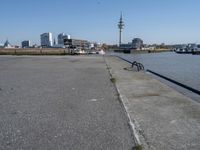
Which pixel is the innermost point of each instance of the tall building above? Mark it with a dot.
(76, 43)
(26, 44)
(61, 38)
(46, 39)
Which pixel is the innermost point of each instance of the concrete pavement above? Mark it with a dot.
(161, 118)
(60, 103)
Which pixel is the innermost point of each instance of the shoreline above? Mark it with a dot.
(34, 51)
(140, 51)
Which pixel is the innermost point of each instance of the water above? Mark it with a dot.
(183, 68)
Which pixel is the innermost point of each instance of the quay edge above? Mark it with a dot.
(163, 118)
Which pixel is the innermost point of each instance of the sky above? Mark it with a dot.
(154, 21)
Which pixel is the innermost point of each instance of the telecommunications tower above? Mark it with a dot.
(121, 27)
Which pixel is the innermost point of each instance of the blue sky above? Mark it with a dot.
(155, 21)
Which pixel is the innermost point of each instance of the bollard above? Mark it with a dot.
(138, 65)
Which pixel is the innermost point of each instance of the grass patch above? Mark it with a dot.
(113, 80)
(108, 68)
(137, 147)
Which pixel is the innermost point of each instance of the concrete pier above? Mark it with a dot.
(69, 102)
(161, 118)
(60, 103)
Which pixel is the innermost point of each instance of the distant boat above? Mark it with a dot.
(196, 53)
(189, 49)
(183, 51)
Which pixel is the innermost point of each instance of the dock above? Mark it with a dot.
(91, 102)
(161, 118)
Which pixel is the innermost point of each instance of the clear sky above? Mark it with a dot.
(155, 21)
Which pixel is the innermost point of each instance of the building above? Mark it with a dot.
(148, 47)
(126, 46)
(137, 44)
(7, 44)
(46, 39)
(35, 46)
(61, 38)
(26, 44)
(54, 42)
(1, 45)
(75, 43)
(91, 46)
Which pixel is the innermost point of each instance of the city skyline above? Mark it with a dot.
(170, 22)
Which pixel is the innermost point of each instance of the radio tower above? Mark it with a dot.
(120, 26)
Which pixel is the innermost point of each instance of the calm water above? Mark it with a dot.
(180, 67)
